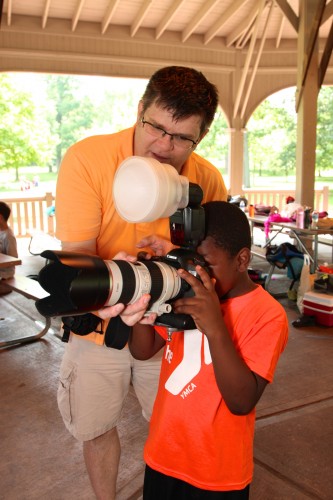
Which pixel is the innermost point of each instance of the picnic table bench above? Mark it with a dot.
(31, 289)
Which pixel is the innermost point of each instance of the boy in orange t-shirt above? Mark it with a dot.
(200, 442)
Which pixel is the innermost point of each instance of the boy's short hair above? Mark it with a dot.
(228, 226)
(5, 210)
(184, 92)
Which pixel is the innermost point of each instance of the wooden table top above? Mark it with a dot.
(8, 260)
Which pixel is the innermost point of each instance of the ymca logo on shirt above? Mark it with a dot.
(189, 367)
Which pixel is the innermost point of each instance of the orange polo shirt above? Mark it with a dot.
(84, 203)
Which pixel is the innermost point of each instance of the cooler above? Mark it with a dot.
(319, 305)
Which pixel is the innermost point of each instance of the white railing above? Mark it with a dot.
(277, 198)
(29, 214)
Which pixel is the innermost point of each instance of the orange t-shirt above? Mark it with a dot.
(84, 203)
(192, 435)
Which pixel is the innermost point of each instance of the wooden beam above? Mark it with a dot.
(168, 18)
(140, 16)
(312, 40)
(9, 12)
(227, 14)
(325, 59)
(257, 60)
(248, 58)
(279, 35)
(198, 18)
(328, 12)
(77, 13)
(108, 15)
(313, 37)
(1, 9)
(46, 13)
(244, 26)
(289, 13)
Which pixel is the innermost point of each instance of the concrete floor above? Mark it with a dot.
(40, 460)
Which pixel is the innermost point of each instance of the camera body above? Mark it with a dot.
(187, 230)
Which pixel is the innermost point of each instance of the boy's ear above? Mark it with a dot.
(244, 257)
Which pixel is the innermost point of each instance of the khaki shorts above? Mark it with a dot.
(94, 382)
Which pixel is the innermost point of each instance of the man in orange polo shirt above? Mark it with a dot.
(174, 114)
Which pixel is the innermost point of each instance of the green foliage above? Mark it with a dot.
(324, 151)
(214, 146)
(272, 138)
(70, 115)
(118, 108)
(16, 138)
(272, 135)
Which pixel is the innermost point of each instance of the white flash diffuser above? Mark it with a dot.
(145, 190)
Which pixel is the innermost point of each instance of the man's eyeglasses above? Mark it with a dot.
(179, 140)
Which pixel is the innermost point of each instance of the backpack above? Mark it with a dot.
(286, 256)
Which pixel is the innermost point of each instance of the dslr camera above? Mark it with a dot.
(78, 284)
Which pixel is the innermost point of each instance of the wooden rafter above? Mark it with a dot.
(280, 31)
(242, 27)
(198, 18)
(77, 13)
(9, 12)
(257, 60)
(140, 16)
(46, 13)
(109, 13)
(168, 18)
(249, 54)
(234, 7)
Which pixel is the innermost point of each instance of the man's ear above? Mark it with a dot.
(140, 110)
(244, 258)
(202, 136)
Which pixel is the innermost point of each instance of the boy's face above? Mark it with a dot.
(224, 269)
(164, 149)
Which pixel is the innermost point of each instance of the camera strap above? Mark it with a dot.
(117, 333)
(82, 324)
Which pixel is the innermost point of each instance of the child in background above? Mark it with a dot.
(8, 243)
(200, 442)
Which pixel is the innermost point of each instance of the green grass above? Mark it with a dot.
(9, 184)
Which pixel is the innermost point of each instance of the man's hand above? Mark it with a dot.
(131, 313)
(158, 245)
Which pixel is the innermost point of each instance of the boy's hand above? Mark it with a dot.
(204, 307)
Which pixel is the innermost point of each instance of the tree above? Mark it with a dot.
(324, 150)
(214, 146)
(272, 137)
(118, 108)
(16, 136)
(71, 116)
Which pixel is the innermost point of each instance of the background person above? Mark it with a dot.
(174, 114)
(8, 244)
(200, 442)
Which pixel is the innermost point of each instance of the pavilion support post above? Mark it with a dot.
(306, 102)
(236, 160)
